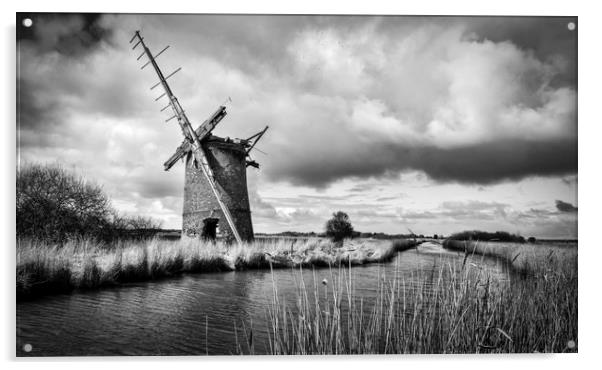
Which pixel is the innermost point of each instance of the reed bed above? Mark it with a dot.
(43, 268)
(523, 257)
(457, 308)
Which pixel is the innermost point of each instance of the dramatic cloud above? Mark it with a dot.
(565, 207)
(474, 101)
(434, 99)
(478, 163)
(71, 35)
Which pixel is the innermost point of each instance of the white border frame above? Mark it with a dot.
(589, 178)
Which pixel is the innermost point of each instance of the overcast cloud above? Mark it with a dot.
(478, 102)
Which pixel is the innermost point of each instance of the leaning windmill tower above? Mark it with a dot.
(216, 200)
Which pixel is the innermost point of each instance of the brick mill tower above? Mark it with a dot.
(216, 200)
(202, 215)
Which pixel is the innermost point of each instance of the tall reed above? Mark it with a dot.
(456, 308)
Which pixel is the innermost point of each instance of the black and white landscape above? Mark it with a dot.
(416, 191)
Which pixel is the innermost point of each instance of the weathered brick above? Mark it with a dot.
(227, 159)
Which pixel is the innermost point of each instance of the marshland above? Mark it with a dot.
(304, 297)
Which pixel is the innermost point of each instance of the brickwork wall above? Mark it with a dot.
(228, 163)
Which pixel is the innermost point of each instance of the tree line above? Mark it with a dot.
(501, 236)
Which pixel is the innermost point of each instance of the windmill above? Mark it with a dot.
(215, 186)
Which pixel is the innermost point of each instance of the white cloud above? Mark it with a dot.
(437, 85)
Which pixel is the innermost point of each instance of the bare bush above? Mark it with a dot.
(55, 204)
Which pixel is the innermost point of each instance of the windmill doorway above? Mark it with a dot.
(209, 231)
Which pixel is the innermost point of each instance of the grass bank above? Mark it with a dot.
(457, 308)
(44, 268)
(523, 257)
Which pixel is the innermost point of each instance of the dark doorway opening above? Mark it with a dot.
(209, 228)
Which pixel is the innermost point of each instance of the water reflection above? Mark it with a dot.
(196, 314)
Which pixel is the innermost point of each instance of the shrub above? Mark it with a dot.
(54, 204)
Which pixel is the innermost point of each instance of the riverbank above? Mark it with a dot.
(85, 264)
(525, 258)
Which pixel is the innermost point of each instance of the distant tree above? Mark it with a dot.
(339, 227)
(132, 226)
(531, 239)
(435, 236)
(141, 222)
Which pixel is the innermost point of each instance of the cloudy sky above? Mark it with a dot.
(434, 124)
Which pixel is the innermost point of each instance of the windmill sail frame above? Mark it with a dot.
(200, 159)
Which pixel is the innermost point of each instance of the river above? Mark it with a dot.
(193, 314)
